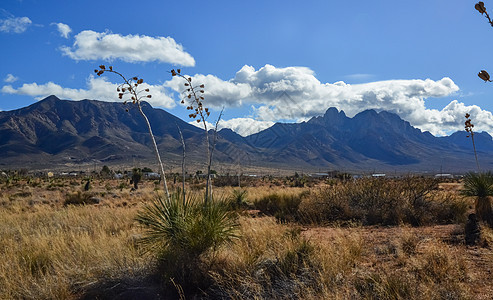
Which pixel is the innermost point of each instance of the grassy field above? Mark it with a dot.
(312, 242)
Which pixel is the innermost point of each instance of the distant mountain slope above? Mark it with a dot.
(55, 132)
(81, 131)
(370, 140)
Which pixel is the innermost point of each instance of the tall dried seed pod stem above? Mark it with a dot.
(194, 96)
(469, 128)
(130, 87)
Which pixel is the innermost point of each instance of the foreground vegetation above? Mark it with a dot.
(331, 240)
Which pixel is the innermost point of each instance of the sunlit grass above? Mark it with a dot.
(52, 251)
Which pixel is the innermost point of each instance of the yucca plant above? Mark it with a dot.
(480, 185)
(180, 231)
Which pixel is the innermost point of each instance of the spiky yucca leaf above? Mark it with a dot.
(190, 227)
(478, 184)
(165, 221)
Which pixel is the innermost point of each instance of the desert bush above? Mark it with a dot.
(434, 274)
(181, 232)
(268, 261)
(80, 198)
(282, 206)
(371, 201)
(385, 286)
(276, 261)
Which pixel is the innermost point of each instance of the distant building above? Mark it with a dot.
(152, 175)
(205, 175)
(441, 175)
(319, 175)
(378, 175)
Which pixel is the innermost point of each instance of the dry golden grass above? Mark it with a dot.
(52, 251)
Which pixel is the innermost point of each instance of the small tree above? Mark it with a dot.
(105, 172)
(136, 177)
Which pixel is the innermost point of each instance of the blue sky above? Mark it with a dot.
(263, 61)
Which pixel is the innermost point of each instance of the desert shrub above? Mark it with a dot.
(411, 200)
(282, 206)
(385, 286)
(269, 261)
(80, 198)
(181, 232)
(136, 177)
(435, 274)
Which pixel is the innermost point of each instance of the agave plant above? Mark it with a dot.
(480, 185)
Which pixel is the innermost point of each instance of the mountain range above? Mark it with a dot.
(54, 133)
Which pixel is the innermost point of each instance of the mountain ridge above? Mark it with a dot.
(70, 133)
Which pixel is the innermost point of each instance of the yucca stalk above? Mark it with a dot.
(194, 95)
(469, 129)
(184, 152)
(130, 86)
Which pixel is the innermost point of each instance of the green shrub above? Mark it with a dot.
(282, 206)
(80, 198)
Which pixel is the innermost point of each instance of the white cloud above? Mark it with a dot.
(201, 125)
(63, 29)
(360, 77)
(242, 126)
(91, 45)
(216, 90)
(295, 94)
(245, 126)
(97, 88)
(15, 25)
(10, 78)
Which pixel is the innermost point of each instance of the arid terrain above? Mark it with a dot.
(91, 250)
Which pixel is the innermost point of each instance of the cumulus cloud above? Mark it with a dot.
(245, 126)
(91, 45)
(295, 94)
(63, 29)
(216, 90)
(97, 88)
(15, 25)
(242, 126)
(10, 78)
